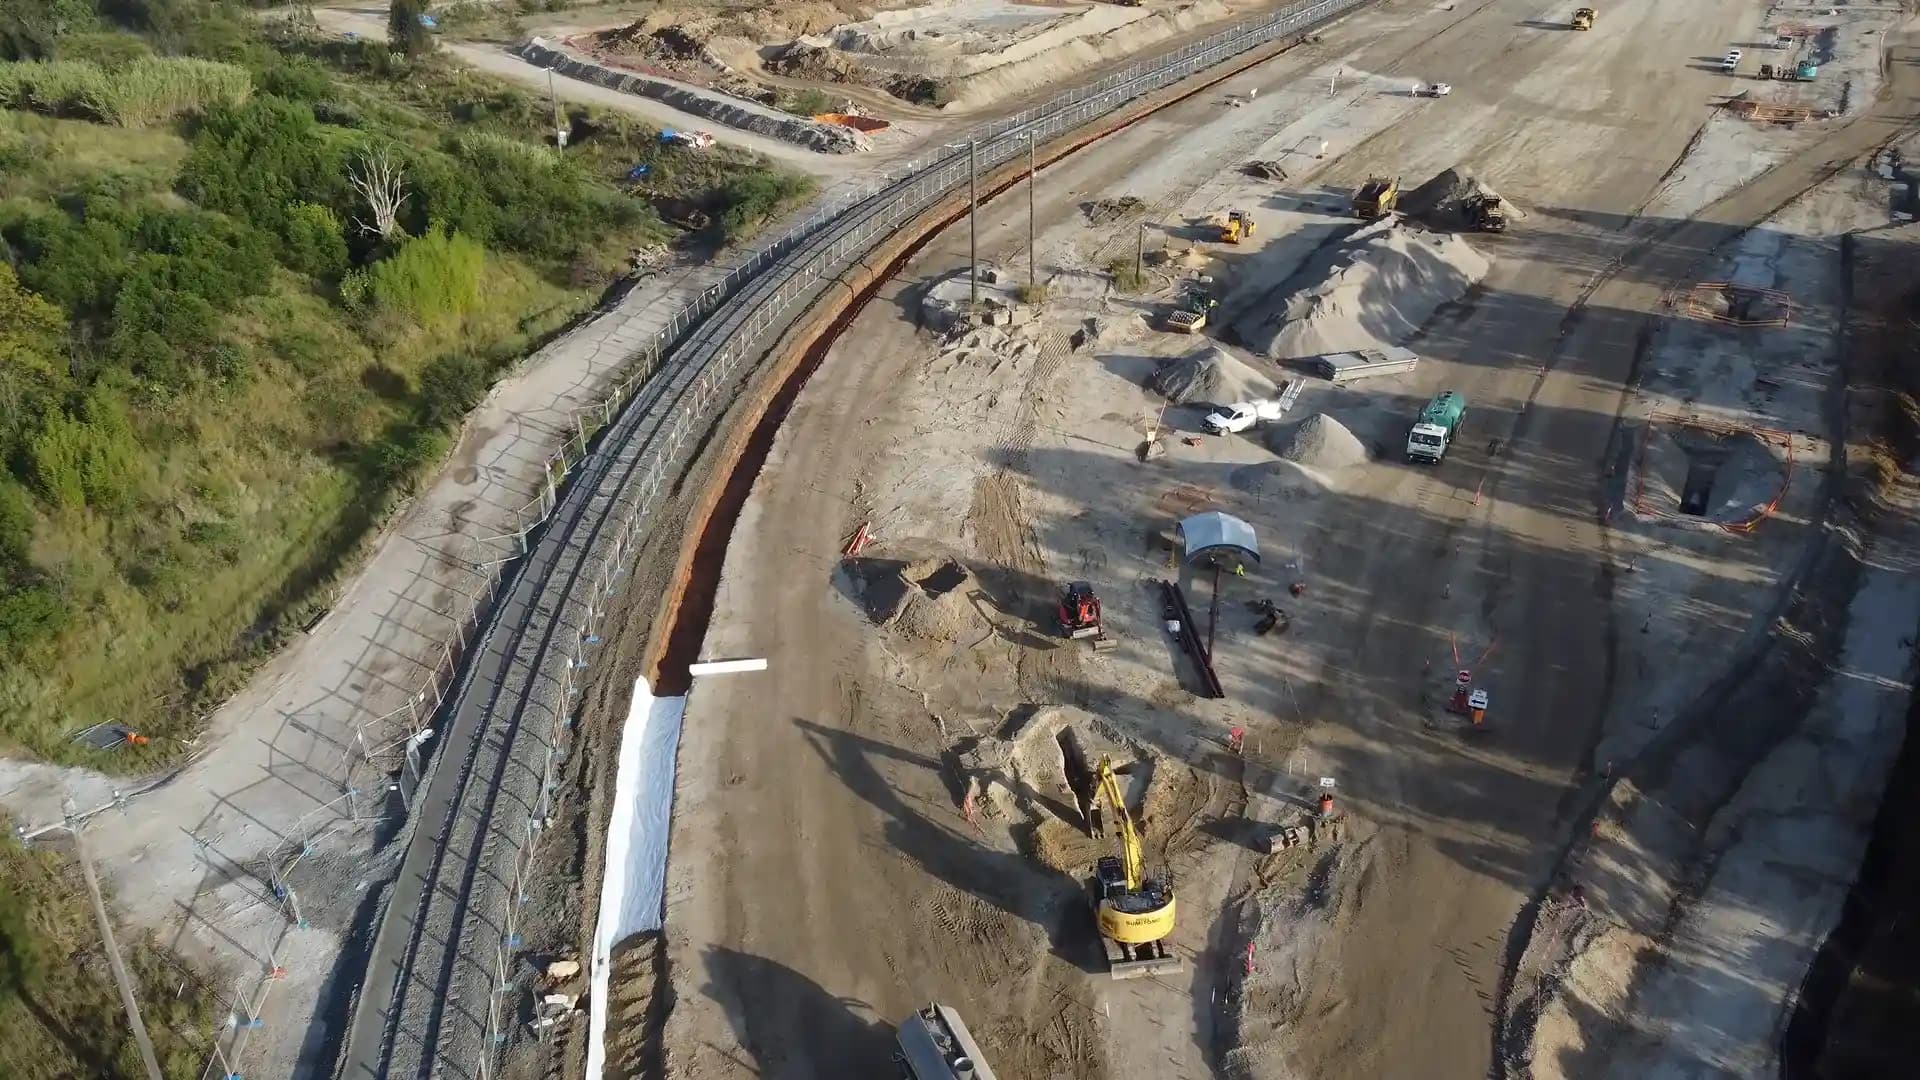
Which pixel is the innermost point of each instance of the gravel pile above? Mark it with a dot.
(1375, 288)
(1320, 442)
(1210, 374)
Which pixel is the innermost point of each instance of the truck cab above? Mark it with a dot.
(1439, 424)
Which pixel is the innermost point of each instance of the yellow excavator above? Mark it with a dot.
(1133, 912)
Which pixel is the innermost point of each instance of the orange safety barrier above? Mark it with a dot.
(1697, 303)
(867, 124)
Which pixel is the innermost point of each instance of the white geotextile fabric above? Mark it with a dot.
(634, 880)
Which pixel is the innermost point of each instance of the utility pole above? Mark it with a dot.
(1033, 177)
(559, 130)
(1140, 253)
(973, 225)
(127, 998)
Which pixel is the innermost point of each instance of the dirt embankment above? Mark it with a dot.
(1853, 1018)
(1740, 825)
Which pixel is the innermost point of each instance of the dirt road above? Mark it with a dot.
(822, 881)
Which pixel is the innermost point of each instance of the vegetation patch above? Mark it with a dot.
(252, 277)
(60, 1014)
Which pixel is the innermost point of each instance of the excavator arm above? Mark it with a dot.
(1129, 837)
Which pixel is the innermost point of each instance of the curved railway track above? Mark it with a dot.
(429, 1004)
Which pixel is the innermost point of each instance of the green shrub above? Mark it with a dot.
(450, 387)
(257, 160)
(109, 50)
(76, 264)
(400, 459)
(297, 78)
(38, 29)
(16, 527)
(30, 613)
(405, 32)
(433, 277)
(85, 457)
(748, 200)
(356, 290)
(810, 102)
(312, 241)
(141, 93)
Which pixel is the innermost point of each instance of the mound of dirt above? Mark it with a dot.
(1319, 442)
(1103, 211)
(1278, 479)
(1440, 201)
(1374, 288)
(939, 608)
(1212, 375)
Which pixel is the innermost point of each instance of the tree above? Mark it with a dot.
(382, 184)
(405, 32)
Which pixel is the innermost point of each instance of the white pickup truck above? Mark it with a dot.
(1242, 415)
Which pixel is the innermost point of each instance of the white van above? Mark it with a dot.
(1731, 61)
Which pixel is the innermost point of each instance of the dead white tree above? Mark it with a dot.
(382, 183)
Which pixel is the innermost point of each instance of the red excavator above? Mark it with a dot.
(1079, 615)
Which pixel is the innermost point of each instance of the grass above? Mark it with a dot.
(60, 1014)
(269, 463)
(1127, 277)
(254, 495)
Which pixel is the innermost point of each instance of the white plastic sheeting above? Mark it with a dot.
(633, 883)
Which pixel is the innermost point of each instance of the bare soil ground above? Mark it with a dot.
(1385, 949)
(1024, 464)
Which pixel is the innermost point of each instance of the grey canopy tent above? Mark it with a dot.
(1219, 539)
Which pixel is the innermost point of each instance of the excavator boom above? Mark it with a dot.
(1111, 794)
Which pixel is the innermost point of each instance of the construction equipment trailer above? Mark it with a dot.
(1134, 913)
(934, 1044)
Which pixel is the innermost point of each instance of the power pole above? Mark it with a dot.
(1140, 253)
(973, 225)
(1033, 177)
(127, 998)
(559, 130)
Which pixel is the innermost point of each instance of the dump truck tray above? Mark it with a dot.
(1186, 322)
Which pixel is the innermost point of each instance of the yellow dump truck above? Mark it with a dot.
(1378, 196)
(1583, 19)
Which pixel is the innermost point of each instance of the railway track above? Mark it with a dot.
(431, 1003)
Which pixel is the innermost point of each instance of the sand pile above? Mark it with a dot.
(1319, 442)
(1376, 287)
(1212, 375)
(939, 606)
